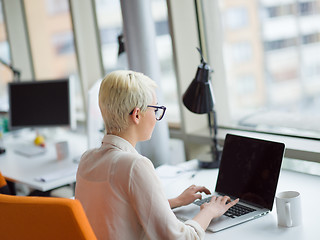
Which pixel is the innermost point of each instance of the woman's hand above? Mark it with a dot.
(188, 196)
(218, 205)
(213, 209)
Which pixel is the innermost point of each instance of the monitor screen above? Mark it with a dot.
(39, 104)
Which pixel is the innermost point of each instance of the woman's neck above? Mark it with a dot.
(127, 136)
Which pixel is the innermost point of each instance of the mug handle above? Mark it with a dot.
(288, 214)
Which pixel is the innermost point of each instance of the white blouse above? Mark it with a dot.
(123, 197)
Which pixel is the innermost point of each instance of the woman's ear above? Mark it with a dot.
(136, 115)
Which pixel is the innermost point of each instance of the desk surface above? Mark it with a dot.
(22, 169)
(265, 227)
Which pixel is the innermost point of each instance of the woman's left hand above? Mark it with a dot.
(188, 196)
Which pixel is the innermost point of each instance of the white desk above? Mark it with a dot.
(18, 168)
(265, 227)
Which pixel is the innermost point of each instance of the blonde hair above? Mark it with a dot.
(120, 92)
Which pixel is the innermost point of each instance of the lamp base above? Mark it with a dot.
(207, 161)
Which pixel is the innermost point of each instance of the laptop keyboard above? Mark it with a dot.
(235, 211)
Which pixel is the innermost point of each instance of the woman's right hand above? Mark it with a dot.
(218, 205)
(213, 209)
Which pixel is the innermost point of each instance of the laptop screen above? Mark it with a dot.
(250, 169)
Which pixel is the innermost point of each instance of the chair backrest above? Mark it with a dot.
(43, 218)
(3, 185)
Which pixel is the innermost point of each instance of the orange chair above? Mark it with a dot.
(43, 218)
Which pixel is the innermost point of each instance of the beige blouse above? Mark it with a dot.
(123, 197)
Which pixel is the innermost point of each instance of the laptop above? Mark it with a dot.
(249, 170)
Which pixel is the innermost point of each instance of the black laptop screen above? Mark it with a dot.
(250, 169)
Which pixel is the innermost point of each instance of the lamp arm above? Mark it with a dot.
(201, 55)
(213, 131)
(15, 71)
(215, 127)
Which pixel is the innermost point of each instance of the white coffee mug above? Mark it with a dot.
(62, 150)
(289, 209)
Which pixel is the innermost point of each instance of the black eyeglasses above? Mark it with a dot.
(159, 111)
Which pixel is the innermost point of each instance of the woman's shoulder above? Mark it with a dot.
(115, 156)
(134, 159)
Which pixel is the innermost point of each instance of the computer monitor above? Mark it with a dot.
(37, 104)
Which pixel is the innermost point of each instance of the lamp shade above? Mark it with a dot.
(199, 98)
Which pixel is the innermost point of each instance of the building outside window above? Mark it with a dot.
(56, 7)
(236, 17)
(51, 38)
(279, 74)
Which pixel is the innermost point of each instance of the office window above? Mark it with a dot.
(49, 37)
(280, 44)
(246, 85)
(109, 20)
(236, 17)
(282, 78)
(311, 38)
(165, 54)
(312, 71)
(241, 51)
(280, 10)
(52, 42)
(5, 73)
(63, 43)
(55, 7)
(308, 8)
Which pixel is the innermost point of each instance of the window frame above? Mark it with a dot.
(297, 147)
(186, 60)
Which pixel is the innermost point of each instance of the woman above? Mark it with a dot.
(118, 188)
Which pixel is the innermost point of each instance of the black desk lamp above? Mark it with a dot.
(199, 99)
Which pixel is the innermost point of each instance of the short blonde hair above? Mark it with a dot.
(120, 92)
